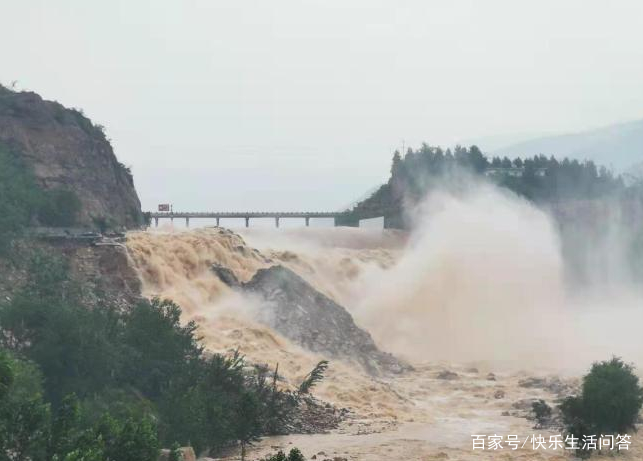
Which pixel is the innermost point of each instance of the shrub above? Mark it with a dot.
(175, 453)
(609, 402)
(542, 412)
(294, 455)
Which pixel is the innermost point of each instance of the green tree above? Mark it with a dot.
(157, 347)
(477, 160)
(609, 403)
(396, 165)
(248, 425)
(24, 416)
(72, 345)
(315, 375)
(201, 407)
(279, 405)
(6, 374)
(175, 452)
(135, 440)
(66, 430)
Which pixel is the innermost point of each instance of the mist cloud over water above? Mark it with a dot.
(483, 277)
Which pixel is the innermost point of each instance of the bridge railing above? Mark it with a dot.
(243, 214)
(277, 215)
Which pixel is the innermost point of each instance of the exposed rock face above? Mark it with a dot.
(226, 275)
(106, 275)
(307, 317)
(102, 272)
(66, 151)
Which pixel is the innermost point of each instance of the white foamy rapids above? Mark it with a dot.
(480, 279)
(479, 282)
(176, 265)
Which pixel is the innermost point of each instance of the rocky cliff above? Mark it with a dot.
(68, 152)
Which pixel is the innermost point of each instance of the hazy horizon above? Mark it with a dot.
(301, 104)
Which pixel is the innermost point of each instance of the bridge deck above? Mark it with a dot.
(246, 214)
(341, 218)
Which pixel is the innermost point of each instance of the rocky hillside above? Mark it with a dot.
(101, 272)
(68, 152)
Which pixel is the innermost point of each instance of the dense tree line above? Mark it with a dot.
(95, 384)
(539, 178)
(582, 197)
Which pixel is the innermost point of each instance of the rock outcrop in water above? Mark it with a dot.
(67, 151)
(309, 318)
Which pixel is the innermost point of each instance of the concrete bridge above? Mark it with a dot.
(306, 215)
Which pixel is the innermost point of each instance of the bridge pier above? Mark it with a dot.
(307, 221)
(346, 221)
(247, 221)
(277, 221)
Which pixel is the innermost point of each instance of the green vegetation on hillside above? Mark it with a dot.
(98, 384)
(20, 198)
(23, 202)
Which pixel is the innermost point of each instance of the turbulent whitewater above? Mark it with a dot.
(478, 288)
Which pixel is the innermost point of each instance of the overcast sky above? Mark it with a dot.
(300, 104)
